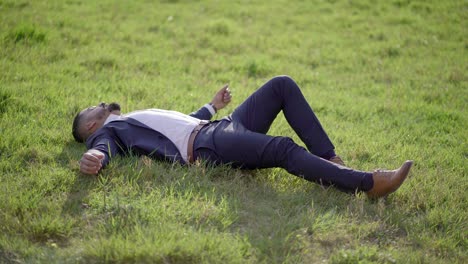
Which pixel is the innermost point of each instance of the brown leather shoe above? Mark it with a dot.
(388, 181)
(337, 160)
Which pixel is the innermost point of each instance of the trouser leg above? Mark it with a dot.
(281, 93)
(232, 144)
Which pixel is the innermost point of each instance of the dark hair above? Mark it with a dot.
(76, 127)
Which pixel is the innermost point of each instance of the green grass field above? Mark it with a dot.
(388, 80)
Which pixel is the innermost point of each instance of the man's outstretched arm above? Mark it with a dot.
(101, 148)
(220, 100)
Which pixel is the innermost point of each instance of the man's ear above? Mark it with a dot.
(90, 125)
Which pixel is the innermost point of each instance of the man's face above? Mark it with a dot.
(94, 116)
(91, 119)
(100, 111)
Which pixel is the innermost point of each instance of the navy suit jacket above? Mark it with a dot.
(129, 136)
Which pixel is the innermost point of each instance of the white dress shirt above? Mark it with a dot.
(174, 125)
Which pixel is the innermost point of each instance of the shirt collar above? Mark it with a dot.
(111, 118)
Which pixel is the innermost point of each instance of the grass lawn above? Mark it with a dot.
(388, 80)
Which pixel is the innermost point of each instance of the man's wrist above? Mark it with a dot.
(214, 107)
(211, 108)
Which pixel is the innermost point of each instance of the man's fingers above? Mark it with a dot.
(96, 153)
(94, 156)
(223, 89)
(222, 97)
(90, 163)
(88, 169)
(227, 96)
(90, 157)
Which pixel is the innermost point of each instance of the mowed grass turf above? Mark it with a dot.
(388, 80)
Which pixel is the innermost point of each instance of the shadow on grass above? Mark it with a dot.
(79, 190)
(279, 213)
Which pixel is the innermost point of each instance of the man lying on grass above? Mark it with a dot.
(239, 139)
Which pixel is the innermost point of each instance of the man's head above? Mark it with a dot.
(91, 119)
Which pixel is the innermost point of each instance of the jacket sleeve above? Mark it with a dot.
(204, 113)
(106, 145)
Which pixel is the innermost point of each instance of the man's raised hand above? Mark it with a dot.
(91, 163)
(222, 97)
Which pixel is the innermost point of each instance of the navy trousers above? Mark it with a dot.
(240, 139)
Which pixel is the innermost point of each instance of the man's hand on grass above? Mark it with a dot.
(222, 98)
(90, 163)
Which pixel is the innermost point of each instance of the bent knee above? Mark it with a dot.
(282, 79)
(284, 84)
